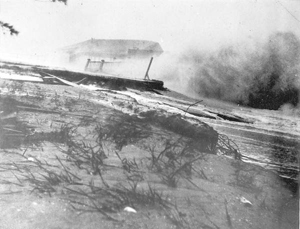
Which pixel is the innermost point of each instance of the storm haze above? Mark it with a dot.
(266, 76)
(229, 50)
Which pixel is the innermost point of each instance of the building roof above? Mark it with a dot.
(113, 47)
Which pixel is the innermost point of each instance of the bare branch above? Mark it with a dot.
(5, 26)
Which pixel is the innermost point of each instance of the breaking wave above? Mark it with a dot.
(266, 76)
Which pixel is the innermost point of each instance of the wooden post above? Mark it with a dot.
(101, 65)
(87, 64)
(146, 75)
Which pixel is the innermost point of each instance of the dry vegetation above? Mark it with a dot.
(57, 145)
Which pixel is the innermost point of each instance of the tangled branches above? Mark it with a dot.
(226, 146)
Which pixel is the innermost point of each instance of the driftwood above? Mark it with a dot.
(34, 109)
(69, 83)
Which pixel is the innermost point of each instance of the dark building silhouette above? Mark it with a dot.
(112, 50)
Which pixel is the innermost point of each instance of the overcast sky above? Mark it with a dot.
(45, 26)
